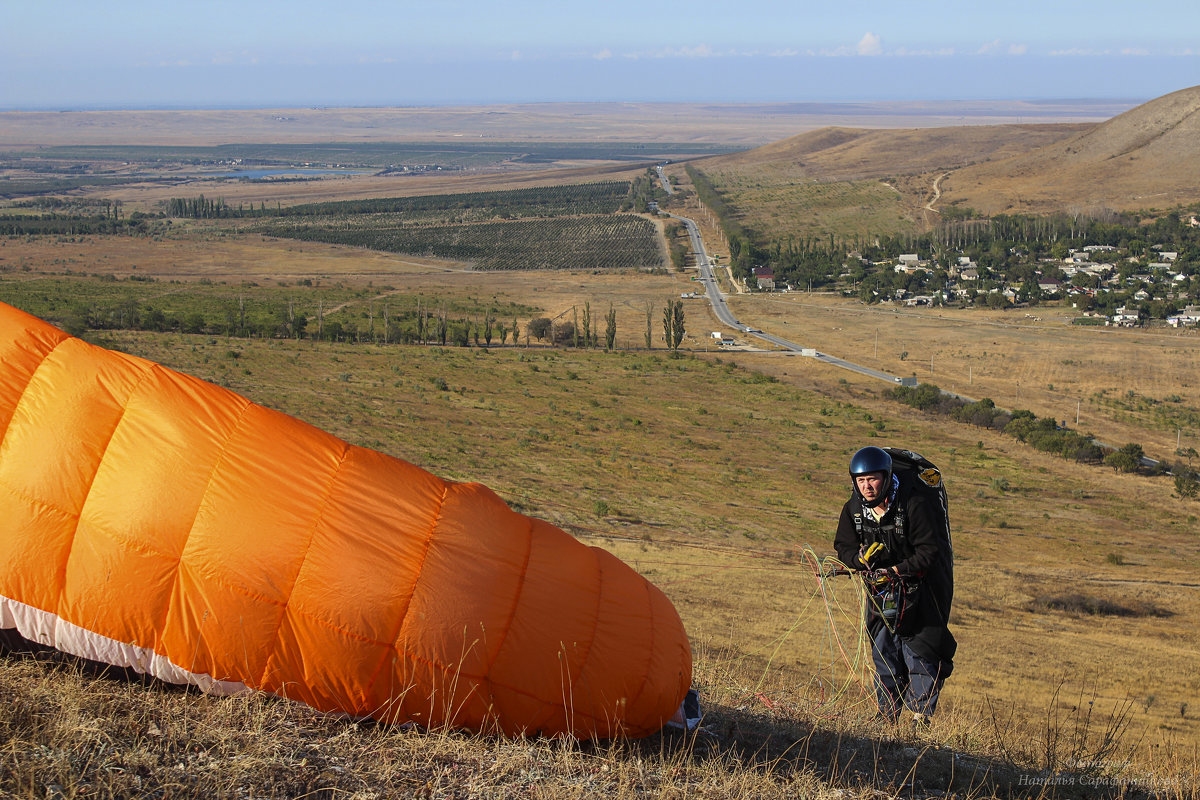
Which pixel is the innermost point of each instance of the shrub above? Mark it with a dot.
(1187, 482)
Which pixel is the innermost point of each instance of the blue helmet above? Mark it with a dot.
(871, 459)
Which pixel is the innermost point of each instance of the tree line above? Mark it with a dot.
(582, 198)
(1045, 434)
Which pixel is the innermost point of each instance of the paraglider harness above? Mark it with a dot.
(890, 594)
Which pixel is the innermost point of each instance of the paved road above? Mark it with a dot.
(666, 183)
(716, 297)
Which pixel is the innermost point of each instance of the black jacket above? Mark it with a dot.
(923, 556)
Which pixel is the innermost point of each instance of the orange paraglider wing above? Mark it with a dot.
(154, 521)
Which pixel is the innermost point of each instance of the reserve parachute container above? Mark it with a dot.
(156, 522)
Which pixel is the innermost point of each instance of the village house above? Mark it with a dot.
(1189, 317)
(1124, 318)
(765, 277)
(909, 263)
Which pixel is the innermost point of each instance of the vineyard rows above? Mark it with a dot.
(542, 201)
(610, 241)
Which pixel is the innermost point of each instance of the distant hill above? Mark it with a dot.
(851, 181)
(1146, 157)
(857, 153)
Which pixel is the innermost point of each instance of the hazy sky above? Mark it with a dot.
(236, 53)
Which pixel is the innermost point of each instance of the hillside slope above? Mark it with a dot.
(853, 181)
(857, 153)
(1143, 158)
(1146, 157)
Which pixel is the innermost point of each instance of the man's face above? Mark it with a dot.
(870, 486)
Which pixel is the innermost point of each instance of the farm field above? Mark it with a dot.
(811, 208)
(1121, 385)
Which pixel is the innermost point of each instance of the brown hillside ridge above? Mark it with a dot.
(1144, 158)
(855, 181)
(854, 153)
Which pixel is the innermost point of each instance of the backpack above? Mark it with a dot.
(924, 477)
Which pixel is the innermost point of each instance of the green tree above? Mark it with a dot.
(1127, 459)
(677, 327)
(194, 323)
(564, 333)
(489, 325)
(649, 325)
(673, 323)
(538, 327)
(610, 328)
(1187, 483)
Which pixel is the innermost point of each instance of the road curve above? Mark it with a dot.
(712, 290)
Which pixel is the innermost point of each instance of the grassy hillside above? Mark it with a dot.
(1143, 158)
(710, 479)
(856, 182)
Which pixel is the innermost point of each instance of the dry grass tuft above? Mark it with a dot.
(69, 732)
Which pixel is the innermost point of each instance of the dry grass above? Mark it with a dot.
(1120, 385)
(71, 733)
(748, 471)
(708, 480)
(849, 180)
(1144, 158)
(855, 181)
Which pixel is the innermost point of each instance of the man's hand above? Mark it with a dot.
(871, 552)
(879, 577)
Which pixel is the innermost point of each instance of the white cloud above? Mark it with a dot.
(943, 51)
(1080, 51)
(1135, 51)
(1018, 49)
(602, 55)
(869, 45)
(699, 51)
